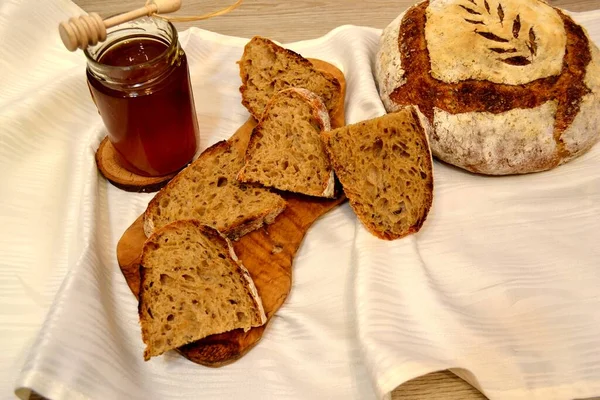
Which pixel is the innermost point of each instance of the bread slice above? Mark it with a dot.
(207, 190)
(193, 286)
(385, 167)
(285, 150)
(266, 68)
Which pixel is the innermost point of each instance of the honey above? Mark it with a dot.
(141, 86)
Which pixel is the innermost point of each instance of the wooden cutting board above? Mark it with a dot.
(267, 253)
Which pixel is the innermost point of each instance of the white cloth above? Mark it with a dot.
(502, 283)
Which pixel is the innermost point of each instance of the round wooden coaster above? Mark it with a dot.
(108, 164)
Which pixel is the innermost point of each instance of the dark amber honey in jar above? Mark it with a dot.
(141, 86)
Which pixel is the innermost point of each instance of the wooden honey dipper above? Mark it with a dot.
(88, 30)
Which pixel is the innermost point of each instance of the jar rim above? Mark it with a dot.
(172, 45)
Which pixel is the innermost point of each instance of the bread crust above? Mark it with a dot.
(319, 113)
(494, 144)
(235, 231)
(402, 66)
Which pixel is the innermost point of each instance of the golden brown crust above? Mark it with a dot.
(337, 115)
(219, 350)
(423, 138)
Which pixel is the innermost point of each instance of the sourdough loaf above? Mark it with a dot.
(385, 168)
(509, 86)
(192, 286)
(266, 68)
(208, 191)
(285, 149)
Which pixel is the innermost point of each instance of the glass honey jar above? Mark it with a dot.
(139, 80)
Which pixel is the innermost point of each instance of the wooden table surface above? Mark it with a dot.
(288, 21)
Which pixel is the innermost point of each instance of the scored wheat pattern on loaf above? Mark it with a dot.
(514, 47)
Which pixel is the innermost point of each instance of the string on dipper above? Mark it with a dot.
(190, 18)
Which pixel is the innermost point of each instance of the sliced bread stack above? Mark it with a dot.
(192, 286)
(284, 151)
